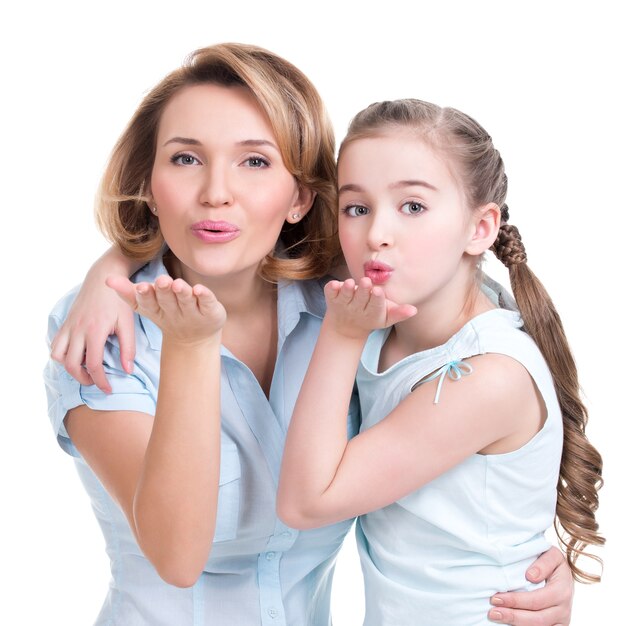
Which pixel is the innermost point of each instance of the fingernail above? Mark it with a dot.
(533, 571)
(129, 366)
(497, 601)
(495, 616)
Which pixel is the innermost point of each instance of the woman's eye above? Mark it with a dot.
(412, 208)
(356, 210)
(184, 159)
(256, 161)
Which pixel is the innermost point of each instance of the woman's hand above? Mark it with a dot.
(354, 310)
(549, 606)
(186, 315)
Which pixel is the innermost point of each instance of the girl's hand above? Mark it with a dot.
(186, 315)
(355, 310)
(79, 345)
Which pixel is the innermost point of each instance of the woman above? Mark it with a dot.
(229, 161)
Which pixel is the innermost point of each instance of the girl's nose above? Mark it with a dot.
(380, 234)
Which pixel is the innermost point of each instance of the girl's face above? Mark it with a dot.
(403, 220)
(219, 183)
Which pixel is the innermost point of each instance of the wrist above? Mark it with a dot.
(190, 346)
(348, 335)
(115, 262)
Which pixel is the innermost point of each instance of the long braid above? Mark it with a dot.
(580, 475)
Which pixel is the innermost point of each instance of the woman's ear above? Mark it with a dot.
(303, 201)
(485, 226)
(146, 194)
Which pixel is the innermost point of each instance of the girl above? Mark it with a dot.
(230, 162)
(465, 405)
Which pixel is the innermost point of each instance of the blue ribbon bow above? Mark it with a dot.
(453, 370)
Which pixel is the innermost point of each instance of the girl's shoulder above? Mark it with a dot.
(496, 327)
(493, 360)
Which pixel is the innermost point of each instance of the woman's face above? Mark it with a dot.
(219, 183)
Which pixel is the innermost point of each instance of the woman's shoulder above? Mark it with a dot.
(61, 308)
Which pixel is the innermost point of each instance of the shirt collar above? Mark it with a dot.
(295, 298)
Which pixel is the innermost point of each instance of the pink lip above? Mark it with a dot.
(215, 232)
(379, 273)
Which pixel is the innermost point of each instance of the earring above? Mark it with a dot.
(154, 209)
(295, 216)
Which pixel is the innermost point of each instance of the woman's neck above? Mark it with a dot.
(240, 294)
(251, 328)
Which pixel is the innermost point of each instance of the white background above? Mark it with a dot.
(545, 78)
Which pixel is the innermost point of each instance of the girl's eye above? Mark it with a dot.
(257, 162)
(184, 159)
(356, 210)
(412, 208)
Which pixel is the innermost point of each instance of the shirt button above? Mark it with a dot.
(286, 534)
(272, 613)
(269, 556)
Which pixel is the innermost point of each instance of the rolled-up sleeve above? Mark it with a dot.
(129, 392)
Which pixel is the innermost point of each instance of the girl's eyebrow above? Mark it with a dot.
(350, 187)
(397, 185)
(413, 183)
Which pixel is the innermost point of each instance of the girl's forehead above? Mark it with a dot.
(397, 153)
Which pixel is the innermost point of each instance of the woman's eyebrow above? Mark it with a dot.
(185, 140)
(246, 142)
(257, 142)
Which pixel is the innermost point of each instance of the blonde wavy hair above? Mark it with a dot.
(309, 248)
(484, 180)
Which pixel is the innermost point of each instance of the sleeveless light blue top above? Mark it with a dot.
(437, 555)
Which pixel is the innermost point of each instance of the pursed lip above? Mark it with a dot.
(378, 272)
(215, 232)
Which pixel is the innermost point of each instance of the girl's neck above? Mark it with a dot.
(436, 321)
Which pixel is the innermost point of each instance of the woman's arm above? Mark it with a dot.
(164, 471)
(97, 312)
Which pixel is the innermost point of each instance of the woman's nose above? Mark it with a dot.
(216, 191)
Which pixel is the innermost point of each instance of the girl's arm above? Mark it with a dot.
(97, 312)
(326, 478)
(163, 471)
(321, 470)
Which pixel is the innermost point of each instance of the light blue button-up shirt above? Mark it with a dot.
(260, 572)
